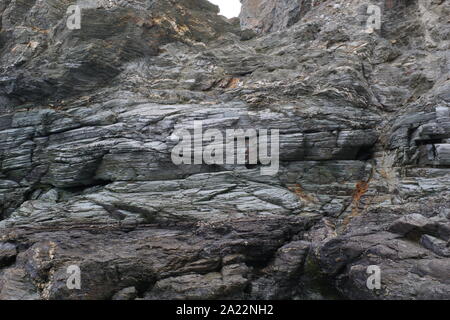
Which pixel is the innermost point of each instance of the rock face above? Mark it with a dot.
(272, 15)
(86, 133)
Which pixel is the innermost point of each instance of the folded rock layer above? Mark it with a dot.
(87, 123)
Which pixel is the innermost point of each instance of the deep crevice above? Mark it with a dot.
(365, 153)
(429, 141)
(82, 188)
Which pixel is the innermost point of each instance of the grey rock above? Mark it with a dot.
(272, 15)
(87, 125)
(436, 245)
(129, 293)
(415, 225)
(284, 271)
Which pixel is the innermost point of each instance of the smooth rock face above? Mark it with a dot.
(87, 122)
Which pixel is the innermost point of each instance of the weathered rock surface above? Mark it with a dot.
(272, 15)
(86, 132)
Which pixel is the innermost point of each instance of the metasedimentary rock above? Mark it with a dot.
(272, 15)
(87, 122)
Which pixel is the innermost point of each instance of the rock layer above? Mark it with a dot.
(86, 132)
(272, 15)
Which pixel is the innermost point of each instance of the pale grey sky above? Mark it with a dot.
(228, 8)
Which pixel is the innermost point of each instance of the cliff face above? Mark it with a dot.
(42, 59)
(86, 133)
(272, 15)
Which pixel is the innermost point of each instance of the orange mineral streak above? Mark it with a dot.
(361, 189)
(233, 83)
(300, 193)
